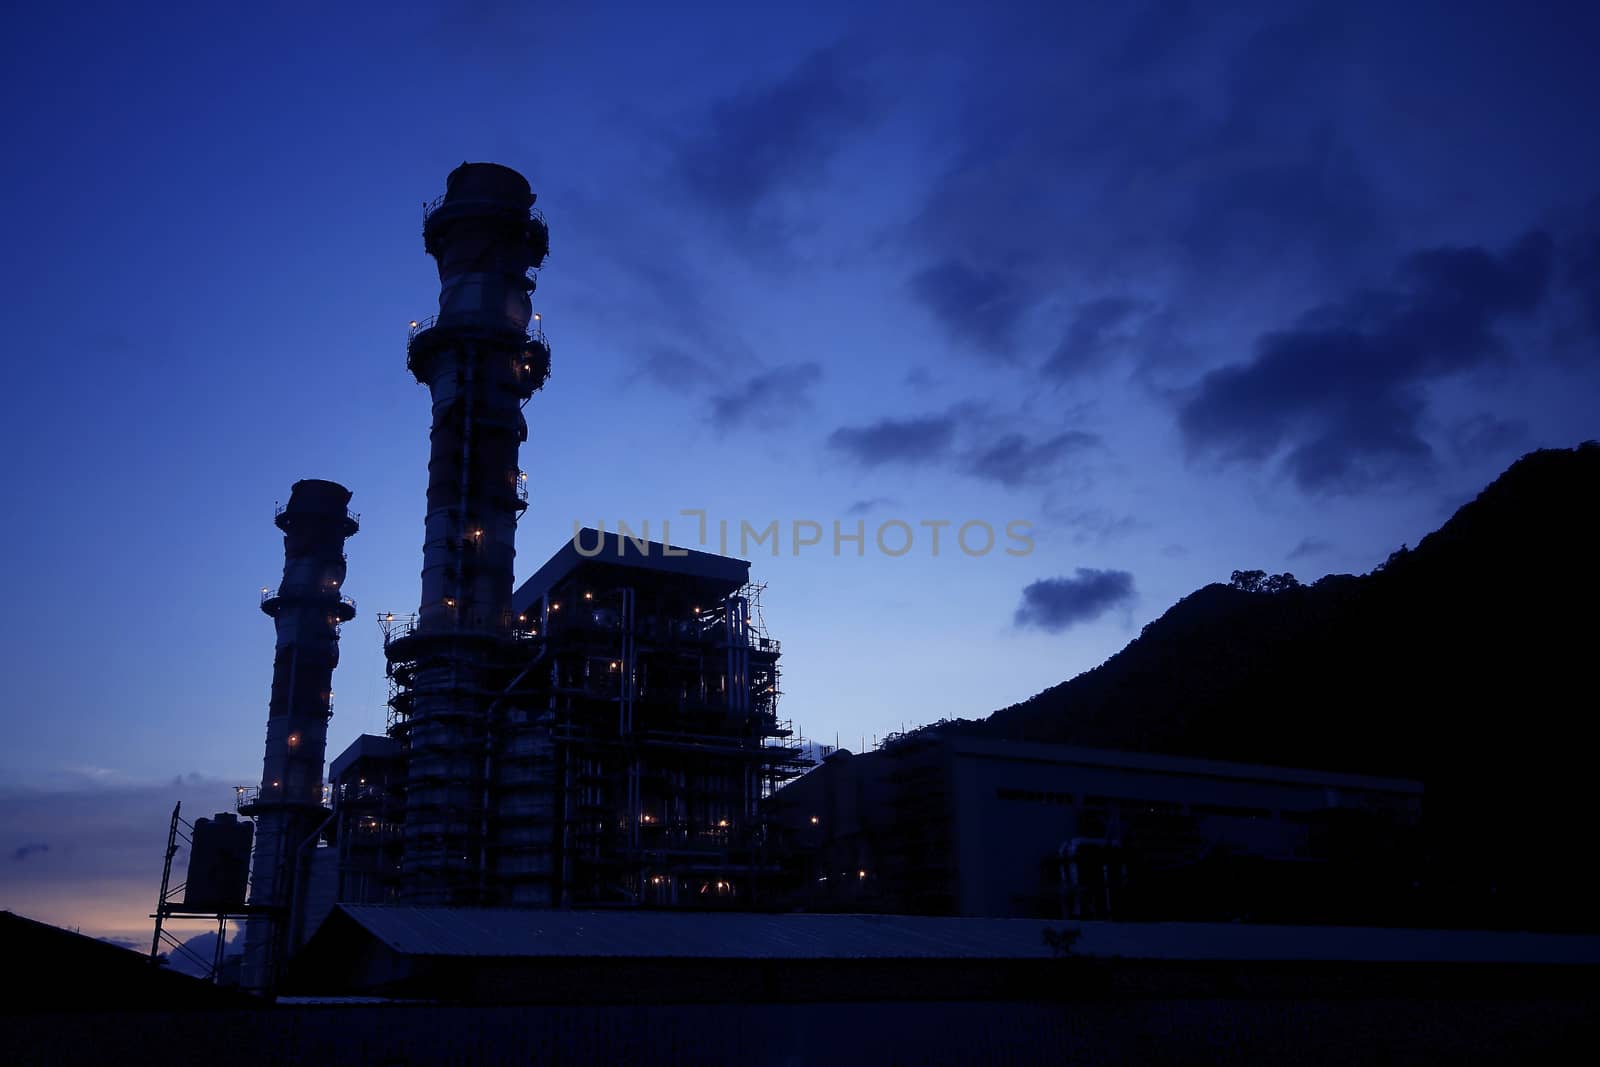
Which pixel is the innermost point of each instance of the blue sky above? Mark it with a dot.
(1187, 288)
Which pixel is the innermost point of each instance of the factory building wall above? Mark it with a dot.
(952, 826)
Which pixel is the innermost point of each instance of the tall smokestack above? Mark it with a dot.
(482, 357)
(307, 608)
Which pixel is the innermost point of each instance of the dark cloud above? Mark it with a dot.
(1015, 460)
(1056, 604)
(775, 135)
(967, 439)
(767, 398)
(862, 507)
(1340, 394)
(24, 851)
(673, 368)
(913, 442)
(1093, 335)
(1199, 155)
(1582, 256)
(1308, 547)
(1487, 436)
(979, 307)
(1280, 180)
(1313, 194)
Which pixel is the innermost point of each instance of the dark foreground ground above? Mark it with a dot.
(1351, 1029)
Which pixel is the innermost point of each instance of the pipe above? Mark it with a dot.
(488, 770)
(297, 903)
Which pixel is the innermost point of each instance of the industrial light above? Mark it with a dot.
(722, 823)
(588, 596)
(537, 316)
(813, 820)
(413, 324)
(389, 617)
(861, 874)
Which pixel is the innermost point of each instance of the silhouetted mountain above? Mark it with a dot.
(1467, 662)
(201, 949)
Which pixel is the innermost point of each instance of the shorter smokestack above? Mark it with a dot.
(307, 608)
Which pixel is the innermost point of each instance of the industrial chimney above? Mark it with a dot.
(307, 608)
(482, 357)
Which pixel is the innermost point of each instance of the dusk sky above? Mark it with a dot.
(1185, 287)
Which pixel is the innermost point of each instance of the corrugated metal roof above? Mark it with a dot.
(611, 549)
(523, 932)
(367, 746)
(646, 934)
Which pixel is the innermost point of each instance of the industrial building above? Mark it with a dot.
(935, 823)
(603, 736)
(625, 755)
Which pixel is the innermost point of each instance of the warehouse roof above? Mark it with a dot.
(516, 932)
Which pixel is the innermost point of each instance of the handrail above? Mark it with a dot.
(353, 516)
(395, 627)
(430, 206)
(533, 335)
(275, 594)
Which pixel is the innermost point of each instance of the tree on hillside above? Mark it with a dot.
(1262, 582)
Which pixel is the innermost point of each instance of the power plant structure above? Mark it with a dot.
(607, 735)
(603, 736)
(307, 609)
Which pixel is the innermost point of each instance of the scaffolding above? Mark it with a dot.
(632, 734)
(173, 902)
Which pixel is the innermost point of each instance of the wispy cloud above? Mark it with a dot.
(769, 397)
(773, 136)
(1308, 547)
